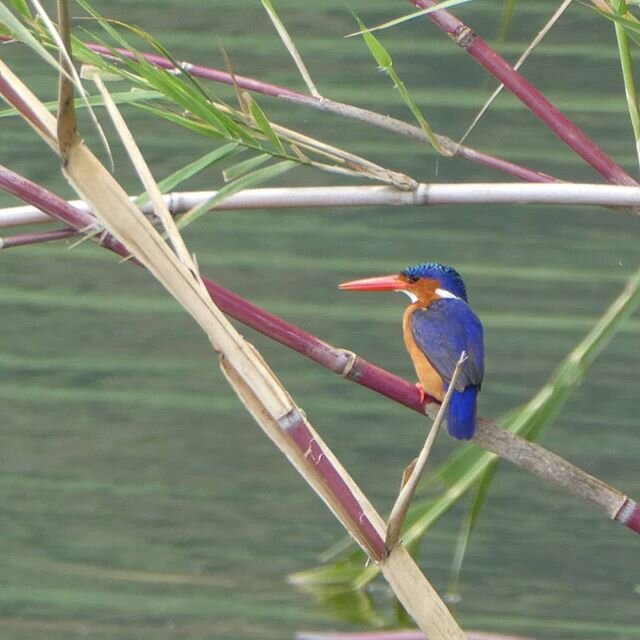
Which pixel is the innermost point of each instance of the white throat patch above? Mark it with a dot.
(412, 296)
(443, 293)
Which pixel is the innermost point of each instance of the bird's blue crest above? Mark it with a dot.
(448, 277)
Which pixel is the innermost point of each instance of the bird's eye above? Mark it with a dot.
(412, 278)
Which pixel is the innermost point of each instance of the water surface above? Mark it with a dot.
(139, 499)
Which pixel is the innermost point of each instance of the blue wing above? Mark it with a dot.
(442, 331)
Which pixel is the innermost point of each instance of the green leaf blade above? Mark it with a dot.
(265, 126)
(245, 182)
(377, 50)
(244, 167)
(192, 169)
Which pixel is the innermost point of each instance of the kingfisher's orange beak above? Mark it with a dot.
(381, 283)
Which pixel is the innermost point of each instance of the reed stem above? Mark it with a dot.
(621, 199)
(24, 239)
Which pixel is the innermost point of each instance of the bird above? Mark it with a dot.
(437, 326)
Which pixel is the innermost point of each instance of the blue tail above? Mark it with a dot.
(461, 416)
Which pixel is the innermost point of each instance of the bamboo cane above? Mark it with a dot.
(621, 199)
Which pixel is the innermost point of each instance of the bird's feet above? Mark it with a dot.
(423, 394)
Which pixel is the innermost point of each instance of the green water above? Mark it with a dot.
(140, 501)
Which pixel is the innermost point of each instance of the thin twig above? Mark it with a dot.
(24, 239)
(160, 209)
(291, 48)
(403, 502)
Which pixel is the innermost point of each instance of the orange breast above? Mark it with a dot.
(429, 378)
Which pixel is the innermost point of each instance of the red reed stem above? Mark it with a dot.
(505, 166)
(629, 515)
(542, 108)
(20, 240)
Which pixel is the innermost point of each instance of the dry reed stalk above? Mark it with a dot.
(416, 468)
(255, 384)
(521, 60)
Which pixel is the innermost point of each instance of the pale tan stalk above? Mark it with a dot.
(403, 502)
(151, 186)
(291, 48)
(249, 375)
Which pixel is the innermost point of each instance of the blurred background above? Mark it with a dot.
(140, 500)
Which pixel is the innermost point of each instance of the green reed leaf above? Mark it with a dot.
(192, 169)
(244, 167)
(264, 125)
(384, 60)
(245, 182)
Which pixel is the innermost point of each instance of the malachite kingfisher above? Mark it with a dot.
(438, 326)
